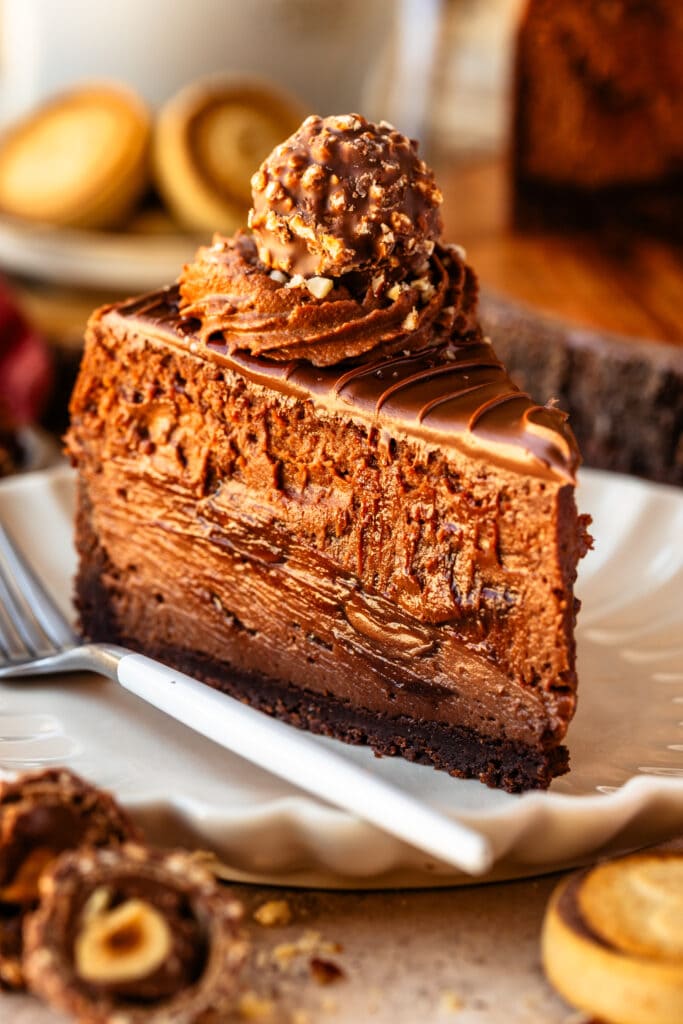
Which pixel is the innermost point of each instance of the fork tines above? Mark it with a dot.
(31, 625)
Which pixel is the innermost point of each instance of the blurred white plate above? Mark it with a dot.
(40, 449)
(625, 787)
(116, 261)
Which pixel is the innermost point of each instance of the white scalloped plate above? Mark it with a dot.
(626, 784)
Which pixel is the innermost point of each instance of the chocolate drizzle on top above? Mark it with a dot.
(448, 394)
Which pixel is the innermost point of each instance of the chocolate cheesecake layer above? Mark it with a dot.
(325, 542)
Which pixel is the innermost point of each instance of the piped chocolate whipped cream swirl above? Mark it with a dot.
(344, 259)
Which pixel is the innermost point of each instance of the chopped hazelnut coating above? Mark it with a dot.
(42, 814)
(342, 195)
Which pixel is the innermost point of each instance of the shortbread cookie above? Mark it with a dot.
(81, 160)
(136, 935)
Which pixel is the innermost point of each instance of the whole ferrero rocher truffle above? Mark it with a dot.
(342, 195)
(43, 813)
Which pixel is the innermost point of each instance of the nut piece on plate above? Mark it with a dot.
(341, 195)
(207, 141)
(81, 160)
(613, 939)
(134, 934)
(42, 814)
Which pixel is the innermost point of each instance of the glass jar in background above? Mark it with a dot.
(446, 79)
(472, 87)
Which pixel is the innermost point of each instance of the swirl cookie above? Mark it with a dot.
(208, 139)
(613, 939)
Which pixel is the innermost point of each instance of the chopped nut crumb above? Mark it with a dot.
(320, 287)
(296, 281)
(254, 1007)
(325, 972)
(450, 1002)
(411, 321)
(277, 275)
(285, 953)
(309, 944)
(273, 913)
(331, 947)
(425, 287)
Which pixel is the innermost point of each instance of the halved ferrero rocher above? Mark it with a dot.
(134, 934)
(81, 160)
(207, 141)
(613, 939)
(42, 814)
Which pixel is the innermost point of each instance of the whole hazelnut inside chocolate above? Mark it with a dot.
(342, 195)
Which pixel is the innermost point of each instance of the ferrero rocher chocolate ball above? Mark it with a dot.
(341, 195)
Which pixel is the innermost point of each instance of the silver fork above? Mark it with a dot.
(36, 639)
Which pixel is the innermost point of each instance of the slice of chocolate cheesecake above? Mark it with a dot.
(305, 477)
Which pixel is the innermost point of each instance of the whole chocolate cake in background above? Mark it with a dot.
(625, 394)
(305, 477)
(598, 113)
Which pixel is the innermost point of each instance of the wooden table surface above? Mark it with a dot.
(618, 282)
(469, 954)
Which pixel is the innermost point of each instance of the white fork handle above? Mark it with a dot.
(294, 756)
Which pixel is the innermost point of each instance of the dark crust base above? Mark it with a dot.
(455, 749)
